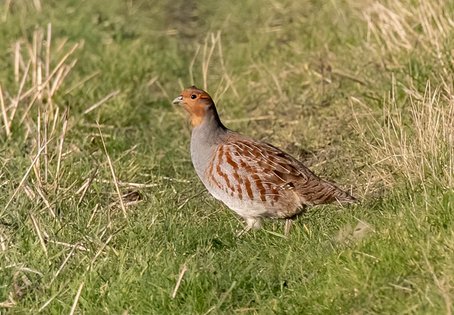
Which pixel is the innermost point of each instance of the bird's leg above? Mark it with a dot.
(251, 223)
(288, 226)
(243, 231)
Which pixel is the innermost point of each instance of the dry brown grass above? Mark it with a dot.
(414, 137)
(29, 109)
(415, 142)
(405, 25)
(32, 113)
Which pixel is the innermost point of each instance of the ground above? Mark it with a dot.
(101, 210)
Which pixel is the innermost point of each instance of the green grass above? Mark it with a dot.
(362, 93)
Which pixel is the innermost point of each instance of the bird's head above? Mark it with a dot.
(197, 103)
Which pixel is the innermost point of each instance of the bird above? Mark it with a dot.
(253, 178)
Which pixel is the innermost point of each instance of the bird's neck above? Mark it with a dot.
(204, 141)
(210, 127)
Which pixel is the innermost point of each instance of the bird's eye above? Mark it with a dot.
(193, 96)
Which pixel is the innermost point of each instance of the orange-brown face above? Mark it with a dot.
(196, 102)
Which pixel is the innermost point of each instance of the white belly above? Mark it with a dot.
(244, 208)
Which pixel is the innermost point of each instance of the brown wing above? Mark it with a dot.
(276, 171)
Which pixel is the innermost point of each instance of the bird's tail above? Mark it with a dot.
(344, 197)
(339, 195)
(326, 192)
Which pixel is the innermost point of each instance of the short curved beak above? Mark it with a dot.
(178, 100)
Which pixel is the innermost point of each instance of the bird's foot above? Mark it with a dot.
(251, 224)
(243, 231)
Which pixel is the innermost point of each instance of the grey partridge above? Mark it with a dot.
(253, 178)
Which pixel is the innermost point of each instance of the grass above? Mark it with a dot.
(101, 211)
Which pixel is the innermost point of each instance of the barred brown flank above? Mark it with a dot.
(247, 184)
(260, 187)
(226, 178)
(221, 173)
(212, 177)
(239, 180)
(228, 159)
